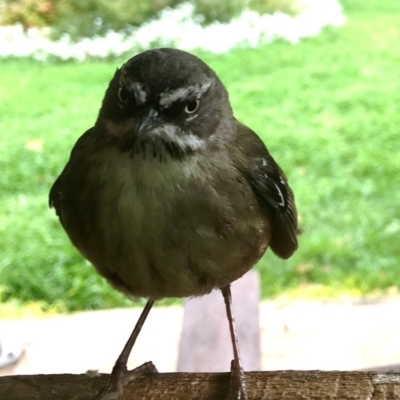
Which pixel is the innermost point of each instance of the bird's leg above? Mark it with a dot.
(237, 387)
(120, 375)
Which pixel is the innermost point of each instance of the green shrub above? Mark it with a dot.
(291, 7)
(87, 18)
(222, 11)
(95, 17)
(29, 13)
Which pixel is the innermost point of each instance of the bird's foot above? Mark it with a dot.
(237, 385)
(120, 376)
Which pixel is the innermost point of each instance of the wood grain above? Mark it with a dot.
(271, 385)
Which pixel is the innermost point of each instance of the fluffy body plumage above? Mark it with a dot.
(168, 195)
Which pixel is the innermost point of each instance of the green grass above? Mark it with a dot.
(328, 110)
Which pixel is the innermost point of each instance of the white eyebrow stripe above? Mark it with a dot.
(167, 98)
(137, 88)
(139, 92)
(170, 96)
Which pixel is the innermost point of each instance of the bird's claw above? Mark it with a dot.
(237, 385)
(121, 377)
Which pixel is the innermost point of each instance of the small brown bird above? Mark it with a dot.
(168, 195)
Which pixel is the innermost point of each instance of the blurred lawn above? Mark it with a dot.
(328, 109)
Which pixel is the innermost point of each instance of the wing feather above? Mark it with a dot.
(271, 187)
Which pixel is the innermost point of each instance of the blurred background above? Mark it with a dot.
(318, 80)
(320, 84)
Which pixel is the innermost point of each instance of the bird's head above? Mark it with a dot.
(165, 100)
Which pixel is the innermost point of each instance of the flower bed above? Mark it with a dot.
(177, 28)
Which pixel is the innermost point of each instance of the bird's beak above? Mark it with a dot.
(148, 122)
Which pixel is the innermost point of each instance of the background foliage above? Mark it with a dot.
(328, 109)
(92, 17)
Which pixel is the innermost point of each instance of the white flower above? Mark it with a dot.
(179, 28)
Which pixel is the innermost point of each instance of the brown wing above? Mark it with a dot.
(272, 189)
(55, 194)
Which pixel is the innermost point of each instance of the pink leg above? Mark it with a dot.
(120, 375)
(237, 389)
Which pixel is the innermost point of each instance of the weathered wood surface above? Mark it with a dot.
(276, 385)
(205, 344)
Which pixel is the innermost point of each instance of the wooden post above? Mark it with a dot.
(205, 344)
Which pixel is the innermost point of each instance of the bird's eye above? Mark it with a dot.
(123, 95)
(192, 106)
